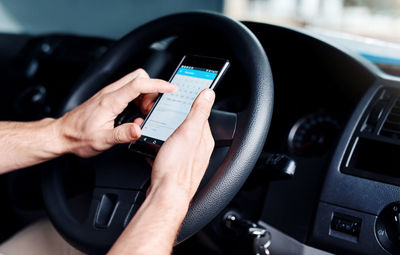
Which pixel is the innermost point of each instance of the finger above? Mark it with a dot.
(150, 96)
(138, 73)
(146, 109)
(138, 121)
(148, 102)
(143, 86)
(201, 108)
(207, 141)
(204, 152)
(120, 98)
(150, 161)
(192, 126)
(208, 137)
(125, 133)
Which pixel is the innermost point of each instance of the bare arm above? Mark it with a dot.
(27, 143)
(176, 175)
(85, 131)
(154, 228)
(89, 129)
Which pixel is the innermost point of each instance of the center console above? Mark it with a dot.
(359, 208)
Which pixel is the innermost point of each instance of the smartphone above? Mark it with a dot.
(193, 75)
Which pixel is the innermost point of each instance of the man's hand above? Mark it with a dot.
(183, 158)
(85, 131)
(89, 129)
(177, 171)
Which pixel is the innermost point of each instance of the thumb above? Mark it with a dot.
(201, 107)
(126, 133)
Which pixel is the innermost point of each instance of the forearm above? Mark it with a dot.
(154, 228)
(23, 144)
(176, 175)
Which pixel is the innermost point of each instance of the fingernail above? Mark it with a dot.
(209, 94)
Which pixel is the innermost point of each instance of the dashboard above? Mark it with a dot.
(335, 114)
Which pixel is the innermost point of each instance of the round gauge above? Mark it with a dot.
(313, 134)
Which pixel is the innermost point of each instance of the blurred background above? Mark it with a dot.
(371, 28)
(372, 18)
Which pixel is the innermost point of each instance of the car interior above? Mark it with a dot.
(307, 137)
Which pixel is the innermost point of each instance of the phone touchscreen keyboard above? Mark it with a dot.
(172, 108)
(188, 89)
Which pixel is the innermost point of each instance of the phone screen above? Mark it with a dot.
(172, 108)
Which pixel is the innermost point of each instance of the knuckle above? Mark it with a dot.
(124, 133)
(211, 145)
(136, 83)
(210, 139)
(141, 72)
(203, 112)
(130, 132)
(186, 131)
(107, 89)
(96, 146)
(103, 91)
(104, 101)
(201, 109)
(211, 142)
(117, 136)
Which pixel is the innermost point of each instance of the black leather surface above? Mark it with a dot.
(250, 135)
(251, 130)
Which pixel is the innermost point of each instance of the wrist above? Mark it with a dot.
(169, 196)
(156, 223)
(60, 143)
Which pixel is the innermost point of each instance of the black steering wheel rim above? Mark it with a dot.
(250, 134)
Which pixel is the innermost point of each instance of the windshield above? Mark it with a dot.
(371, 18)
(370, 28)
(378, 19)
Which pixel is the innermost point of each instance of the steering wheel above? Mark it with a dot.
(120, 177)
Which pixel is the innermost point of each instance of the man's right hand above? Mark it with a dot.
(184, 157)
(177, 171)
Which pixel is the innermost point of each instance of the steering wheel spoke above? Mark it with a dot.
(131, 172)
(223, 127)
(112, 209)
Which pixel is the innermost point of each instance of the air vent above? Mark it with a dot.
(391, 126)
(377, 111)
(374, 150)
